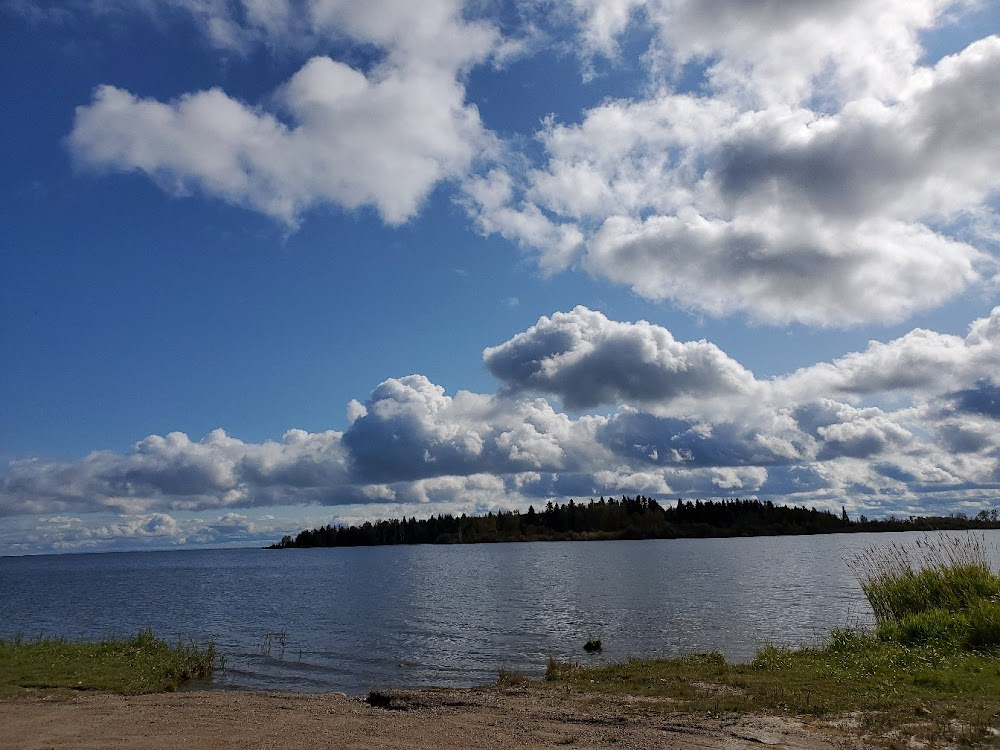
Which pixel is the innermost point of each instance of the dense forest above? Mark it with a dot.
(629, 518)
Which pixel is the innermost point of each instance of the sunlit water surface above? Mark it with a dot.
(355, 619)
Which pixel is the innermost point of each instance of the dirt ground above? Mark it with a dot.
(478, 719)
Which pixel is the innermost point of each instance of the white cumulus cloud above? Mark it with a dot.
(333, 134)
(823, 173)
(587, 360)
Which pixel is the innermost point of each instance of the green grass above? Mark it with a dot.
(946, 573)
(929, 672)
(143, 664)
(976, 628)
(937, 696)
(942, 591)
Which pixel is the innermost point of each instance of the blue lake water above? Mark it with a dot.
(353, 620)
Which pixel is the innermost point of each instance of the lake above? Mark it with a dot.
(352, 620)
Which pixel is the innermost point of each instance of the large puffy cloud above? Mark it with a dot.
(410, 430)
(847, 45)
(356, 141)
(780, 269)
(793, 429)
(382, 137)
(920, 362)
(852, 186)
(644, 437)
(849, 432)
(588, 360)
(932, 153)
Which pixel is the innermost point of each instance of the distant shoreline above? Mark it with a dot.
(626, 519)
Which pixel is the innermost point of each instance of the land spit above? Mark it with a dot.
(488, 718)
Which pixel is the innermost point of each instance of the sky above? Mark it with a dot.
(271, 264)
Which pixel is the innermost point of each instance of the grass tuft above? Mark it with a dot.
(141, 664)
(507, 678)
(559, 670)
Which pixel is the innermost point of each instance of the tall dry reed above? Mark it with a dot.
(941, 588)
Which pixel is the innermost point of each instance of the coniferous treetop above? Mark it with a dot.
(629, 518)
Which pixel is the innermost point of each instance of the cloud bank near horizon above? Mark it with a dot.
(587, 406)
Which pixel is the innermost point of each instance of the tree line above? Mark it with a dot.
(629, 518)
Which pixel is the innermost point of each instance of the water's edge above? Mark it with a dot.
(352, 620)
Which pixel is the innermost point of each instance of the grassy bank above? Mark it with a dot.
(928, 675)
(891, 692)
(143, 664)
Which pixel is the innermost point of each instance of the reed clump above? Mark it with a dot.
(941, 590)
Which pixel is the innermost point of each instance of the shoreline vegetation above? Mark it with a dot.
(142, 664)
(928, 675)
(629, 518)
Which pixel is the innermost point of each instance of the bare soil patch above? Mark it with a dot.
(477, 719)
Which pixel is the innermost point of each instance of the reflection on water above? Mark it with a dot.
(355, 619)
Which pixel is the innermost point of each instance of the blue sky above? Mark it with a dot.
(268, 265)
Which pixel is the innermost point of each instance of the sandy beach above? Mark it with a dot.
(477, 719)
